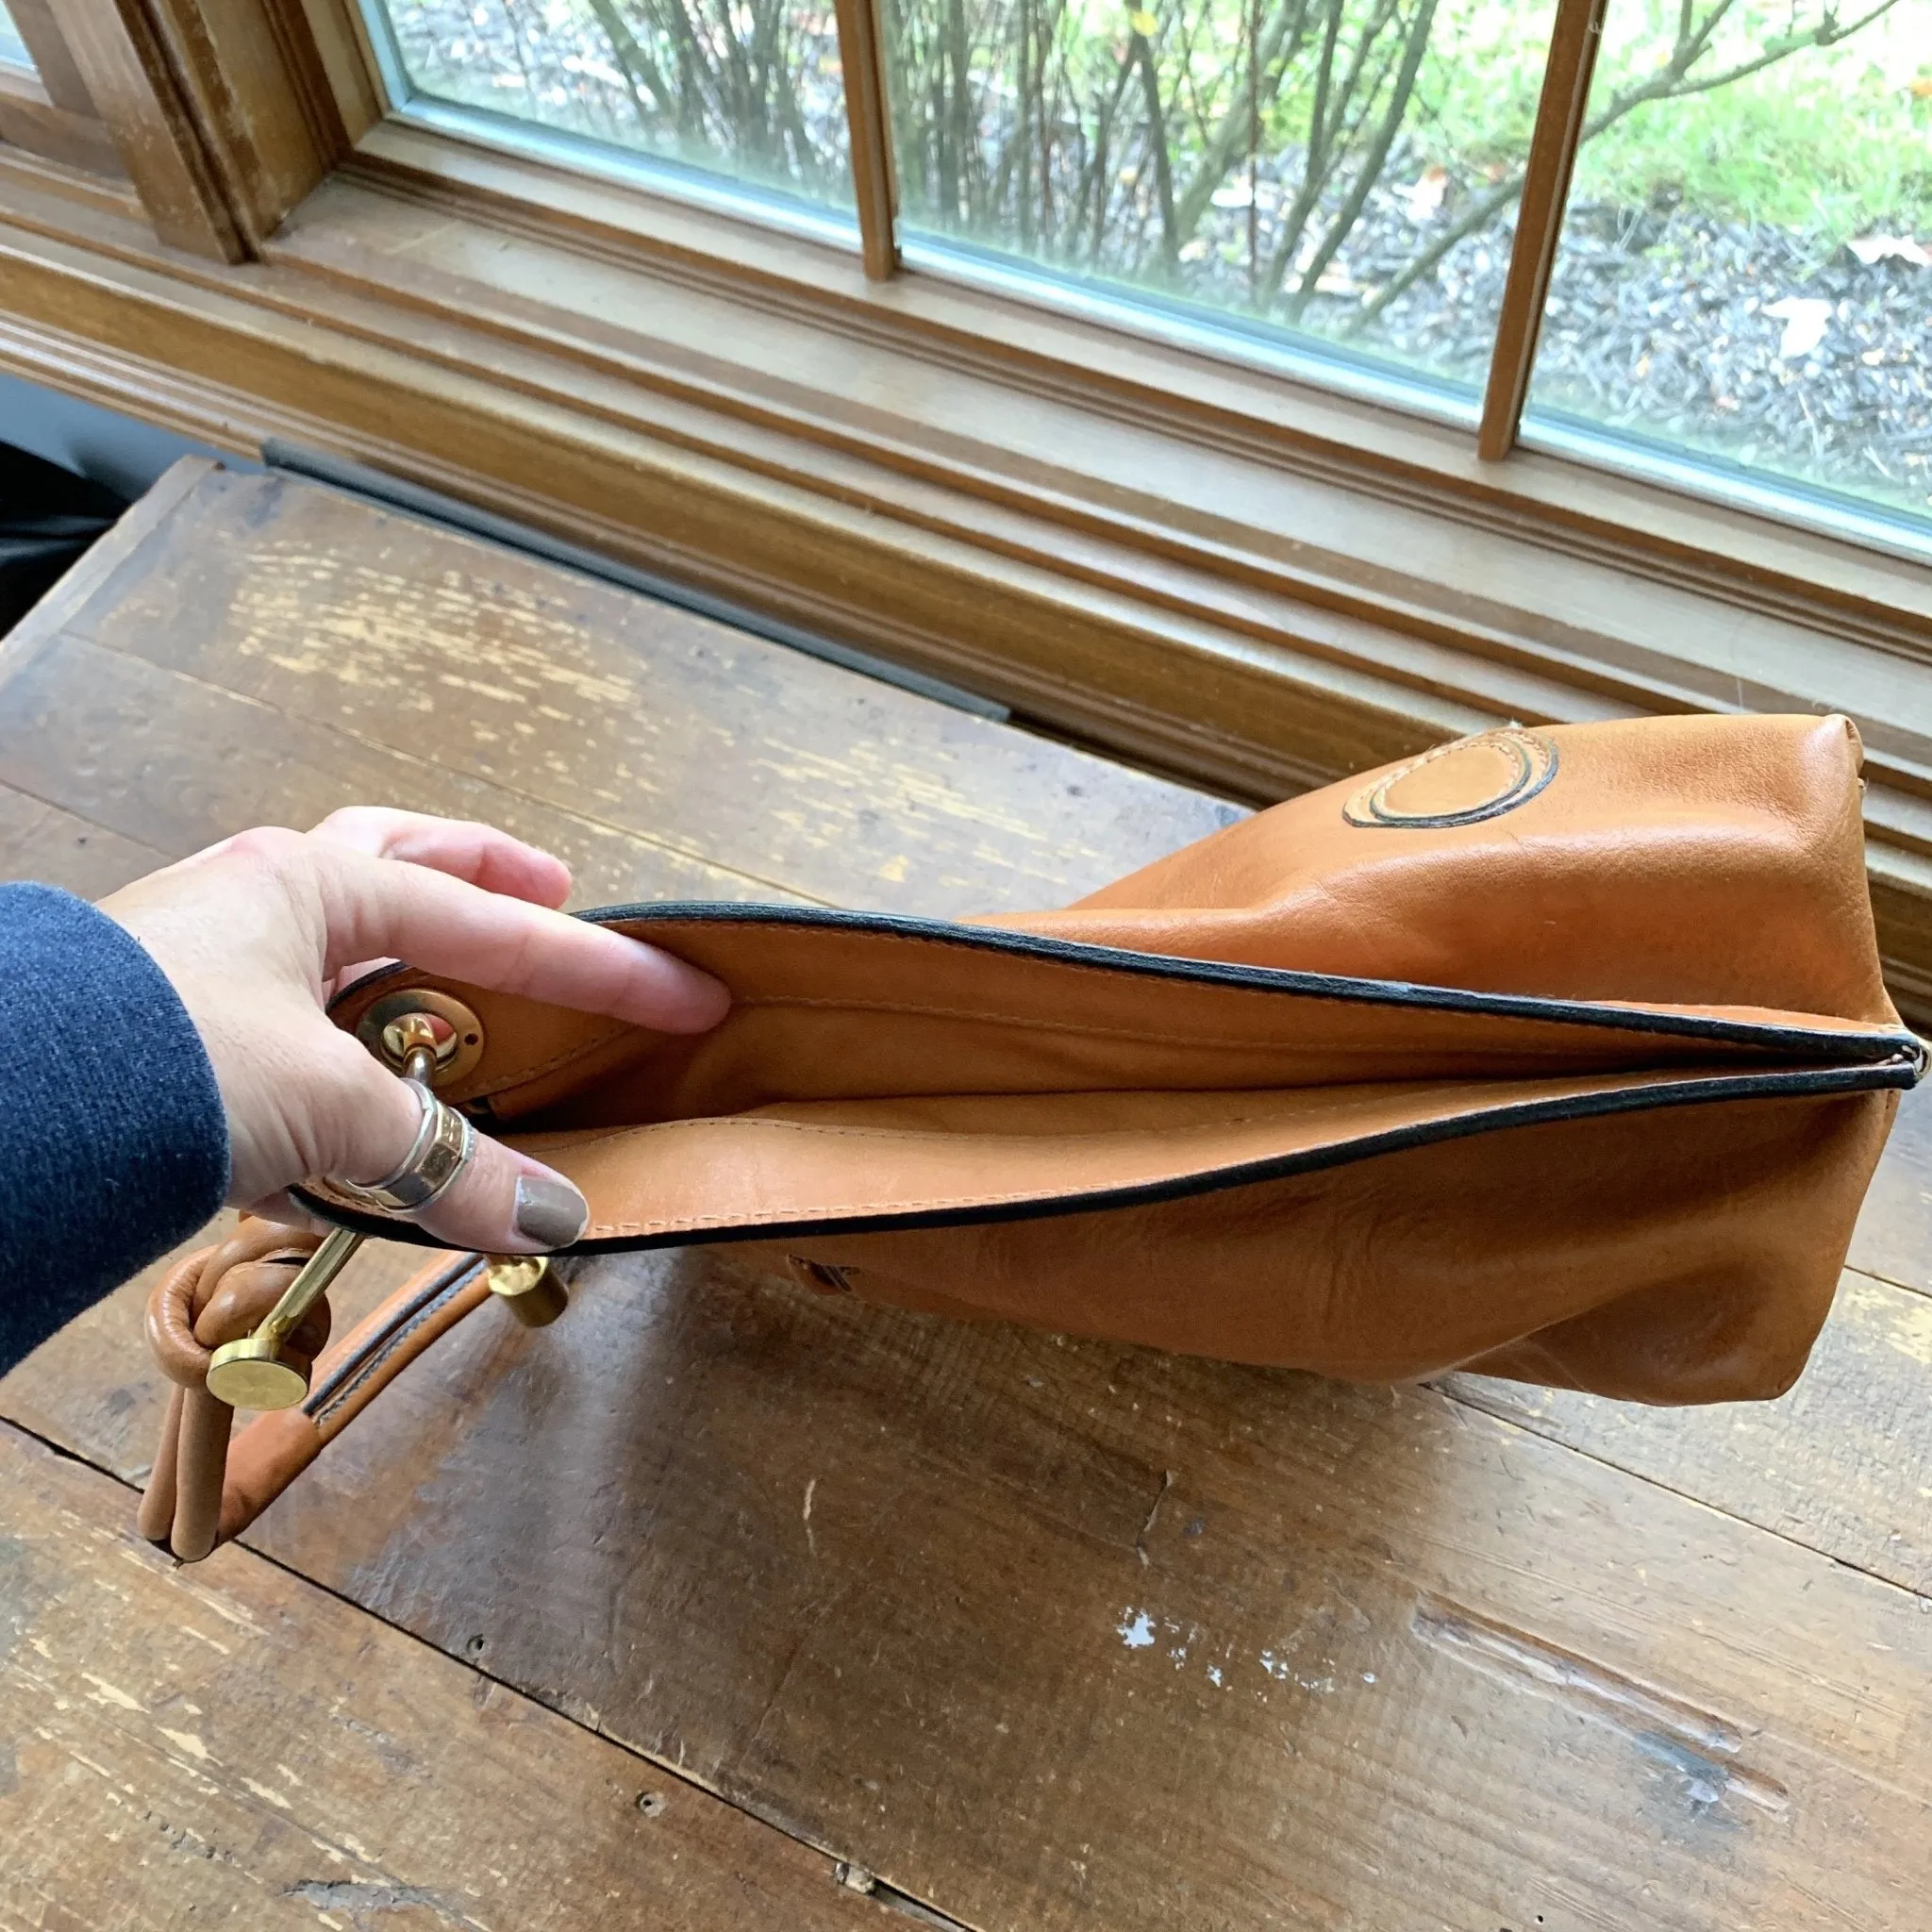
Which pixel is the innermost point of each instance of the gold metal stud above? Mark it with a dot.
(251, 1373)
(529, 1287)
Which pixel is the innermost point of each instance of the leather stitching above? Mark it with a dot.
(555, 1060)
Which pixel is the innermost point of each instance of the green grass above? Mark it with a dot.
(1829, 141)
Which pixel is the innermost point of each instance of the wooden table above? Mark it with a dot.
(725, 1603)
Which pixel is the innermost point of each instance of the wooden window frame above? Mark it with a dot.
(1232, 570)
(50, 111)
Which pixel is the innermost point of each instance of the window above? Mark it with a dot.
(1050, 348)
(750, 92)
(1741, 290)
(1291, 164)
(14, 50)
(1746, 270)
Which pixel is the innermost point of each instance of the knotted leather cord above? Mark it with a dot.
(205, 1490)
(217, 1295)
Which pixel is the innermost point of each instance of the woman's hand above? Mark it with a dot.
(256, 932)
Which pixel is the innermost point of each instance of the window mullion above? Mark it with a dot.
(120, 53)
(862, 57)
(1574, 42)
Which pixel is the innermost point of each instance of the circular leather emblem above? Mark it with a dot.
(1458, 784)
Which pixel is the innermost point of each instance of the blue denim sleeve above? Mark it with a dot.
(113, 1141)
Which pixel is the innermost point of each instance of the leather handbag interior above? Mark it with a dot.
(1560, 1053)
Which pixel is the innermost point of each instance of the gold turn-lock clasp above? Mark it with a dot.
(260, 1372)
(429, 1038)
(397, 1029)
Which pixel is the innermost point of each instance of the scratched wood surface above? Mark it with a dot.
(1047, 1633)
(233, 1745)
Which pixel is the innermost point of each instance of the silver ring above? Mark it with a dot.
(442, 1147)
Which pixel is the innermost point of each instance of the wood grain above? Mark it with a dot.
(1202, 588)
(28, 120)
(343, 63)
(93, 569)
(407, 643)
(1165, 383)
(191, 764)
(1575, 34)
(1841, 1464)
(869, 119)
(1056, 1634)
(952, 1601)
(40, 842)
(1893, 1239)
(229, 1744)
(261, 103)
(40, 31)
(1080, 492)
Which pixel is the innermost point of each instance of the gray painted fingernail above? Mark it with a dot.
(550, 1212)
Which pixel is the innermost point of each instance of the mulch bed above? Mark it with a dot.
(1663, 322)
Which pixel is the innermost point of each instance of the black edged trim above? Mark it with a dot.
(1808, 1083)
(1824, 1042)
(347, 1376)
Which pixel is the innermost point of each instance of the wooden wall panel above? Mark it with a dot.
(260, 101)
(54, 62)
(30, 120)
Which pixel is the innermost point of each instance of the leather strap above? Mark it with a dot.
(205, 1489)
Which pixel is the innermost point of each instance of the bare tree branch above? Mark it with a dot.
(1672, 81)
(1377, 159)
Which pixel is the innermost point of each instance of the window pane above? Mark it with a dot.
(14, 50)
(747, 88)
(1347, 167)
(1746, 272)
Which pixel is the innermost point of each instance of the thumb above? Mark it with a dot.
(501, 1202)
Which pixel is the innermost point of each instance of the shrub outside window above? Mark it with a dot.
(751, 91)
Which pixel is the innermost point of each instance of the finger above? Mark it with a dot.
(382, 909)
(501, 1203)
(283, 1208)
(460, 847)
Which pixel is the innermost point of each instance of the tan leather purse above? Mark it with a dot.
(1561, 1055)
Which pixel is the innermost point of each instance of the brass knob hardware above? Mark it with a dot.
(253, 1374)
(261, 1371)
(529, 1287)
(423, 1034)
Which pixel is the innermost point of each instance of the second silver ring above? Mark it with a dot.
(444, 1146)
